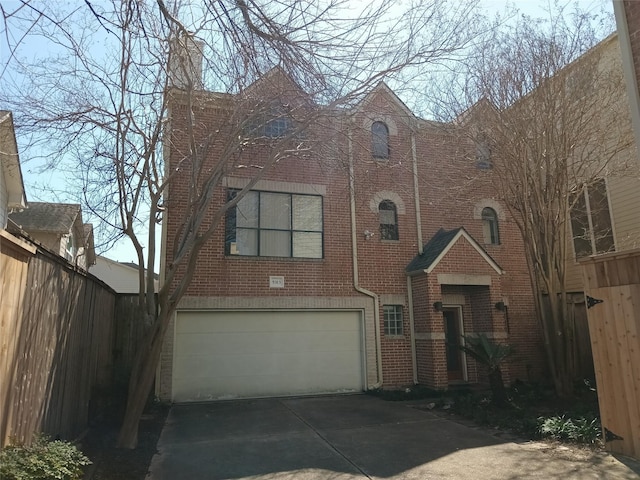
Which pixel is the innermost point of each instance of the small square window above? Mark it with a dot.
(392, 319)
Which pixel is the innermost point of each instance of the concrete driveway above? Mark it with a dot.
(353, 437)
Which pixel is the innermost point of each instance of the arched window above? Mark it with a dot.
(490, 226)
(388, 220)
(379, 140)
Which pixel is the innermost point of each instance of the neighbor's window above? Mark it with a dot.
(392, 319)
(590, 220)
(388, 216)
(269, 224)
(379, 140)
(69, 250)
(490, 226)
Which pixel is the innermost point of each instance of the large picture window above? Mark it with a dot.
(269, 224)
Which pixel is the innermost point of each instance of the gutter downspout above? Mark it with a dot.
(416, 197)
(416, 191)
(628, 67)
(354, 254)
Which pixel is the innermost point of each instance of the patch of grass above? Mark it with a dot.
(579, 430)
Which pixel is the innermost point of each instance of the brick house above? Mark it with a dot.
(349, 267)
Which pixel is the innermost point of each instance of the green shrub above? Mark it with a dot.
(582, 430)
(42, 460)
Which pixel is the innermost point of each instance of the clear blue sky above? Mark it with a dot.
(43, 186)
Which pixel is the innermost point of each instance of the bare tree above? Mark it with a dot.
(104, 105)
(544, 103)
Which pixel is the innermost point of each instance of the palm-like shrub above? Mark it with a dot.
(492, 355)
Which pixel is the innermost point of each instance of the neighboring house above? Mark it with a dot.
(357, 265)
(605, 216)
(59, 228)
(122, 277)
(627, 14)
(12, 195)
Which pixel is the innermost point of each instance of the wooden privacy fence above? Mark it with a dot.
(56, 343)
(612, 286)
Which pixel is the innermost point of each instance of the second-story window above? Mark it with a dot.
(490, 226)
(388, 216)
(379, 140)
(591, 220)
(69, 252)
(270, 224)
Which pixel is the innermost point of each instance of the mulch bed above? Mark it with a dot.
(111, 463)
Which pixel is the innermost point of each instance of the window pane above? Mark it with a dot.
(600, 218)
(379, 140)
(275, 243)
(247, 211)
(580, 225)
(307, 245)
(246, 242)
(307, 213)
(387, 217)
(275, 211)
(392, 319)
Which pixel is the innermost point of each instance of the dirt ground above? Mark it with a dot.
(110, 463)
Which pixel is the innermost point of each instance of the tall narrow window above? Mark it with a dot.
(388, 220)
(591, 220)
(379, 140)
(490, 226)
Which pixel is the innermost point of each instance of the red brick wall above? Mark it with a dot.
(450, 189)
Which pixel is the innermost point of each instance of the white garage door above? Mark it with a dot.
(220, 355)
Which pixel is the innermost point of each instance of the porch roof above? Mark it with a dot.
(440, 244)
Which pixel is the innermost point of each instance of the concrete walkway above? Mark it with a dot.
(354, 437)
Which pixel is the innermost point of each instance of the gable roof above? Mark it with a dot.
(439, 246)
(48, 217)
(276, 78)
(10, 162)
(384, 89)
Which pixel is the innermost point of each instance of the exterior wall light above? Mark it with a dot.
(437, 306)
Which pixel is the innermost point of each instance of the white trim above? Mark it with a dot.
(491, 203)
(378, 197)
(371, 118)
(473, 243)
(430, 336)
(628, 67)
(463, 279)
(273, 186)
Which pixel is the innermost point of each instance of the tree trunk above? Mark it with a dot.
(141, 381)
(498, 391)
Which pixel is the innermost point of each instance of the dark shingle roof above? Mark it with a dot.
(47, 217)
(432, 249)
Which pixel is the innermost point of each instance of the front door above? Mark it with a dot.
(453, 337)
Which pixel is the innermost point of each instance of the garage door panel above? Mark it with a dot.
(251, 354)
(228, 343)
